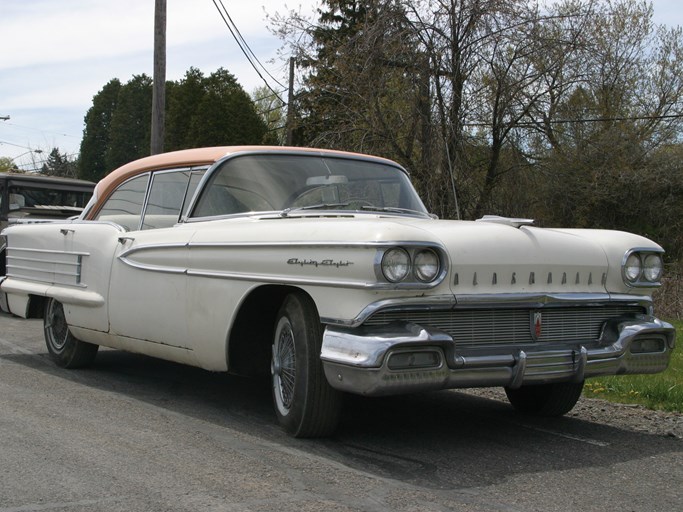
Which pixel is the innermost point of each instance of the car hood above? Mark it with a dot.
(483, 257)
(491, 258)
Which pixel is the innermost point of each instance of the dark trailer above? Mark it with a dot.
(26, 198)
(31, 197)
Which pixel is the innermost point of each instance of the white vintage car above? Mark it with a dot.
(324, 270)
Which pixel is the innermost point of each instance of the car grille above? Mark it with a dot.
(476, 327)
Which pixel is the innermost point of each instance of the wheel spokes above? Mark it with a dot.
(56, 327)
(285, 366)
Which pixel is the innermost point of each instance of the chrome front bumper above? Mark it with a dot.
(405, 357)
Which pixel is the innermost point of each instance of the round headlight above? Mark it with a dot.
(653, 268)
(426, 265)
(632, 268)
(395, 264)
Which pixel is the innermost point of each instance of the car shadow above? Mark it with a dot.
(440, 440)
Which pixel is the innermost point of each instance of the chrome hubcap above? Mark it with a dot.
(55, 326)
(283, 365)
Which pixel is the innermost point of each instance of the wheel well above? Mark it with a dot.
(249, 346)
(36, 306)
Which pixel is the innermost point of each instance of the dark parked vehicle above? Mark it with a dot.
(29, 198)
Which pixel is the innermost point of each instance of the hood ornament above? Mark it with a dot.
(508, 221)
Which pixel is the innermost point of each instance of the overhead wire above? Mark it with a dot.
(245, 48)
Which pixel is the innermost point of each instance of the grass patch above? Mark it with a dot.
(662, 391)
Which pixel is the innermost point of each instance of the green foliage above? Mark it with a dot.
(201, 111)
(58, 164)
(183, 98)
(92, 163)
(131, 122)
(7, 164)
(271, 110)
(660, 391)
(566, 111)
(225, 115)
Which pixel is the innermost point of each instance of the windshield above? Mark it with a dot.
(259, 183)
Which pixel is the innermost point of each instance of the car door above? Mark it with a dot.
(147, 295)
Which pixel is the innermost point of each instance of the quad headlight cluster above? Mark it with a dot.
(416, 265)
(642, 268)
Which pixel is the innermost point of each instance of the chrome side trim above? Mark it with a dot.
(316, 244)
(46, 266)
(49, 251)
(125, 257)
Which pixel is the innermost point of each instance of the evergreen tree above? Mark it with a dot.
(202, 111)
(92, 165)
(131, 122)
(225, 115)
(184, 98)
(58, 164)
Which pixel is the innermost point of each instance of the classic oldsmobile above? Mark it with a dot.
(324, 270)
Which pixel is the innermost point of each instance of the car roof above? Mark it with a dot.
(203, 157)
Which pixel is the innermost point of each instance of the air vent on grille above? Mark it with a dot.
(471, 328)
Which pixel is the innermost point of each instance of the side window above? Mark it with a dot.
(168, 197)
(165, 200)
(124, 206)
(192, 187)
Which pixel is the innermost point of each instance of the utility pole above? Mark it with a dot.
(290, 105)
(159, 79)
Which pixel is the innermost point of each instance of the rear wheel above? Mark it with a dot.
(65, 349)
(553, 399)
(305, 404)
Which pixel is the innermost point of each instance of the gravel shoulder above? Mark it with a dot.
(635, 418)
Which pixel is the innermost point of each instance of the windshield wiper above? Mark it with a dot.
(321, 206)
(395, 209)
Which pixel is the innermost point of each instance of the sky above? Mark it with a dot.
(55, 56)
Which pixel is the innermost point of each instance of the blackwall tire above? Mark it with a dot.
(553, 399)
(305, 404)
(65, 350)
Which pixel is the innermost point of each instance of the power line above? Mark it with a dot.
(586, 120)
(12, 144)
(244, 46)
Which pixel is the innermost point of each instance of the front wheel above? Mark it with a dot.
(64, 348)
(553, 399)
(305, 404)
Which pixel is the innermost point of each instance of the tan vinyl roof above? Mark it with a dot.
(188, 158)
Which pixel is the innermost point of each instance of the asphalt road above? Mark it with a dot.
(137, 434)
